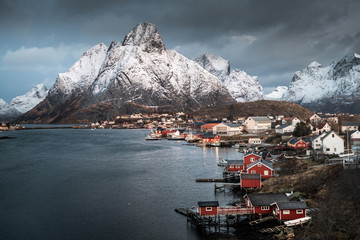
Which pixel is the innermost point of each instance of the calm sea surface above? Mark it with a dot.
(77, 184)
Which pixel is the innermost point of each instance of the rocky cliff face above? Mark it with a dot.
(139, 70)
(242, 87)
(334, 88)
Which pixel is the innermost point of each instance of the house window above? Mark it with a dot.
(328, 149)
(231, 166)
(264, 207)
(286, 211)
(334, 149)
(299, 211)
(333, 135)
(208, 209)
(253, 172)
(266, 172)
(252, 159)
(259, 164)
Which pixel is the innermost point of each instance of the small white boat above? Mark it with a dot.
(297, 221)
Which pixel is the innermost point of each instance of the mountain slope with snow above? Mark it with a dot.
(277, 93)
(23, 103)
(30, 99)
(334, 88)
(138, 71)
(242, 87)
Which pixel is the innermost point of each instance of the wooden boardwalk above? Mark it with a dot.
(260, 220)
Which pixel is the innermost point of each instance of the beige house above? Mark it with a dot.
(228, 129)
(257, 124)
(349, 126)
(315, 119)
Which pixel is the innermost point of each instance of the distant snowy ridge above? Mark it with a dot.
(315, 82)
(242, 87)
(22, 104)
(277, 93)
(30, 99)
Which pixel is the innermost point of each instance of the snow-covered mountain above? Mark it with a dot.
(7, 113)
(277, 93)
(242, 87)
(138, 71)
(23, 103)
(30, 99)
(332, 88)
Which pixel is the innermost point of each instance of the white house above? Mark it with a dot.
(291, 121)
(281, 129)
(355, 137)
(328, 143)
(257, 124)
(227, 129)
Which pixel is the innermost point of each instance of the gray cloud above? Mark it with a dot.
(270, 39)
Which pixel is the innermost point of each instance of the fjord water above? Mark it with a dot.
(102, 184)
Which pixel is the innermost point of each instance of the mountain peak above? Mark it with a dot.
(216, 65)
(146, 36)
(314, 64)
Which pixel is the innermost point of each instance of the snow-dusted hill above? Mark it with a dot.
(277, 93)
(332, 88)
(242, 87)
(139, 70)
(22, 104)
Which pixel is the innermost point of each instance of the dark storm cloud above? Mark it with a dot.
(270, 39)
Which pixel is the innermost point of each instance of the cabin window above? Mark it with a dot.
(252, 159)
(334, 149)
(266, 172)
(299, 211)
(253, 172)
(333, 135)
(286, 211)
(328, 149)
(231, 166)
(208, 209)
(264, 207)
(259, 164)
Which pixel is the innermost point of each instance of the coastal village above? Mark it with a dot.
(271, 147)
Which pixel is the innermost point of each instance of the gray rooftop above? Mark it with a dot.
(266, 163)
(291, 205)
(265, 199)
(250, 176)
(261, 119)
(208, 204)
(234, 162)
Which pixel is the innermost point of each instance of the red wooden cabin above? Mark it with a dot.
(264, 168)
(260, 202)
(289, 210)
(208, 208)
(210, 138)
(234, 166)
(299, 143)
(250, 180)
(250, 158)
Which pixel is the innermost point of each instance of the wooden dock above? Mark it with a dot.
(261, 220)
(273, 229)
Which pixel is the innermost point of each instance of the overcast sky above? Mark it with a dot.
(270, 39)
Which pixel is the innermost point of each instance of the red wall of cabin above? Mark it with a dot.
(250, 183)
(203, 211)
(293, 215)
(260, 170)
(248, 157)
